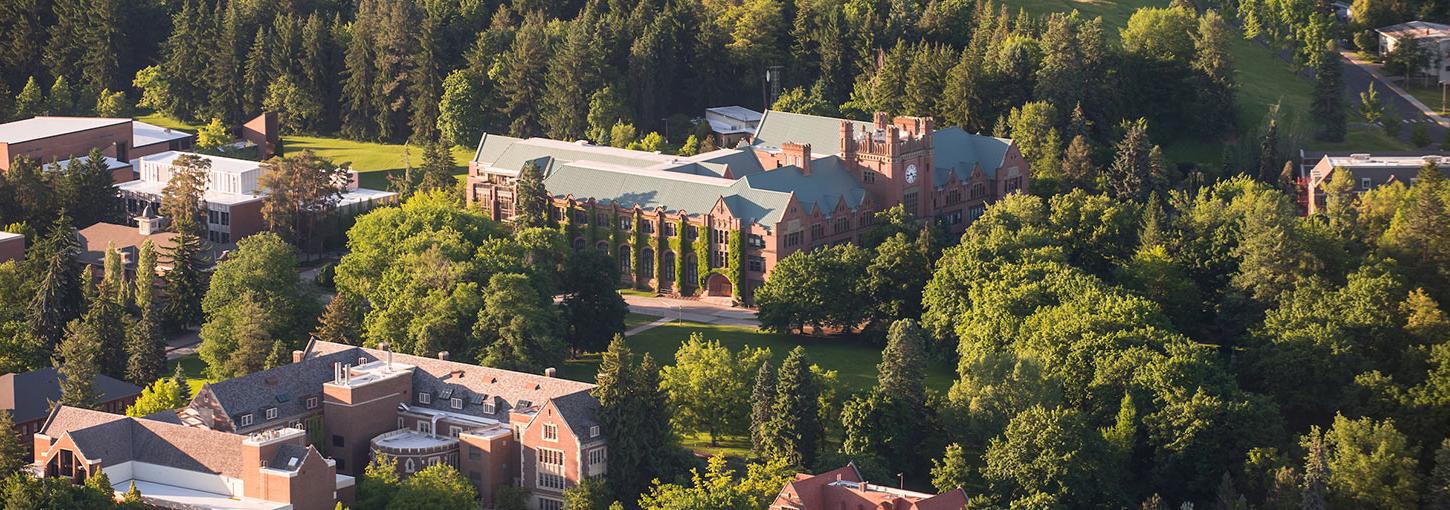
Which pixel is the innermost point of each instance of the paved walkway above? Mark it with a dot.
(1360, 72)
(669, 309)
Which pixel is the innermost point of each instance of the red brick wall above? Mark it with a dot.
(246, 219)
(357, 414)
(533, 439)
(12, 249)
(70, 144)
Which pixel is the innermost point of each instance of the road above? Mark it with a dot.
(1358, 74)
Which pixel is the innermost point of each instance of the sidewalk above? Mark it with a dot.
(1373, 70)
(689, 311)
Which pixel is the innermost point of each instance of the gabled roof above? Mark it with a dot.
(114, 439)
(28, 395)
(822, 133)
(845, 488)
(956, 151)
(284, 387)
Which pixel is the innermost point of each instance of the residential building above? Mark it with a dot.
(497, 427)
(12, 246)
(1367, 172)
(180, 467)
(717, 223)
(233, 196)
(28, 396)
(845, 488)
(731, 124)
(1433, 37)
(56, 139)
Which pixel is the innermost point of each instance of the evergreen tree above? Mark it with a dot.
(593, 309)
(902, 371)
(951, 471)
(426, 67)
(1212, 59)
(58, 299)
(360, 71)
(62, 98)
(532, 200)
(1078, 170)
(256, 71)
(573, 75)
(225, 67)
(183, 386)
(75, 363)
(794, 430)
(522, 74)
(106, 318)
(278, 356)
(1437, 493)
(13, 454)
(629, 403)
(437, 170)
(1327, 103)
(30, 102)
(1315, 485)
(1129, 177)
(185, 282)
(1269, 152)
(1227, 497)
(340, 321)
(145, 350)
(762, 400)
(145, 284)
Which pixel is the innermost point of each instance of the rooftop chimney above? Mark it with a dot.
(443, 355)
(297, 356)
(798, 154)
(389, 355)
(549, 372)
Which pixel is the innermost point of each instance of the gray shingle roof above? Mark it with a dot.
(28, 395)
(288, 457)
(115, 439)
(822, 133)
(285, 387)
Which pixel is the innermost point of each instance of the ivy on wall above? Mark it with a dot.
(702, 256)
(735, 266)
(678, 245)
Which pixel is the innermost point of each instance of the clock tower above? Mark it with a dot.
(892, 158)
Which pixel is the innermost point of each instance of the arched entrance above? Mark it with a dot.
(718, 285)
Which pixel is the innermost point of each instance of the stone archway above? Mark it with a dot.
(718, 285)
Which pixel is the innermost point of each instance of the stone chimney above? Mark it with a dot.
(799, 155)
(550, 372)
(443, 355)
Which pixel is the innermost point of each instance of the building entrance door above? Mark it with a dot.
(718, 285)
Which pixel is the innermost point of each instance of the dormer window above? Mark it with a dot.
(245, 420)
(425, 397)
(489, 408)
(271, 413)
(311, 402)
(456, 403)
(551, 432)
(362, 361)
(594, 431)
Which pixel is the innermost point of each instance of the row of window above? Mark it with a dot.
(457, 402)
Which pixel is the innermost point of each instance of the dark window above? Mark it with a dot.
(793, 239)
(756, 241)
(340, 464)
(842, 225)
(669, 228)
(818, 231)
(954, 197)
(757, 264)
(647, 226)
(581, 217)
(669, 266)
(690, 232)
(625, 222)
(603, 219)
(337, 441)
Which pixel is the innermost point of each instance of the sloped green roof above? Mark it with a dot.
(822, 133)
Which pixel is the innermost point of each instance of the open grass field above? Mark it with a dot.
(855, 362)
(193, 367)
(634, 320)
(373, 161)
(1263, 80)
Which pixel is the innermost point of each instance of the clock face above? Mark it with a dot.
(910, 173)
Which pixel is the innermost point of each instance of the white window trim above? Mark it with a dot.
(425, 397)
(245, 420)
(593, 431)
(312, 402)
(551, 432)
(455, 402)
(454, 430)
(272, 413)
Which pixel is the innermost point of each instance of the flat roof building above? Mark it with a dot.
(12, 246)
(233, 195)
(1367, 171)
(48, 139)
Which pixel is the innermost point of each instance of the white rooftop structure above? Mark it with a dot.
(143, 134)
(36, 128)
(732, 119)
(111, 163)
(169, 496)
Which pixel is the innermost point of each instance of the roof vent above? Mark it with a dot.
(549, 372)
(292, 462)
(443, 355)
(1359, 156)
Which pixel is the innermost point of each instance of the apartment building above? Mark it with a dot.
(497, 427)
(57, 139)
(176, 466)
(233, 197)
(844, 488)
(1366, 171)
(802, 182)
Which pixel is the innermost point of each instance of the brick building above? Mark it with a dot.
(497, 427)
(52, 139)
(1366, 171)
(233, 197)
(844, 488)
(182, 467)
(28, 396)
(716, 223)
(12, 246)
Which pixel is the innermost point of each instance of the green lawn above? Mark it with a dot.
(374, 161)
(854, 361)
(634, 320)
(193, 367)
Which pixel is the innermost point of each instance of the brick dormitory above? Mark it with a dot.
(297, 435)
(716, 223)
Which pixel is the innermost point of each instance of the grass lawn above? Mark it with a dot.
(637, 292)
(1430, 95)
(634, 320)
(374, 161)
(854, 361)
(193, 367)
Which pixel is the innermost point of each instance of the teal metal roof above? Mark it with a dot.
(822, 133)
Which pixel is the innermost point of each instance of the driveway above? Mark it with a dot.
(1358, 74)
(690, 310)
